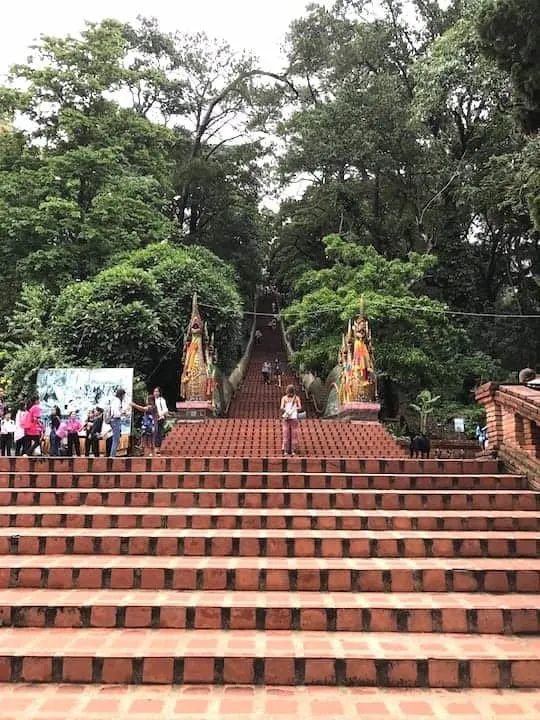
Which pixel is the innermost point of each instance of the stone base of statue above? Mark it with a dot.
(359, 411)
(194, 410)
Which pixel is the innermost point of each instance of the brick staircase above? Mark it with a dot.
(254, 399)
(249, 585)
(291, 571)
(253, 428)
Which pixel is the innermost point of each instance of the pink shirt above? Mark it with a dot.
(73, 425)
(33, 426)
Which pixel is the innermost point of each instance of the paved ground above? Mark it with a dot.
(74, 702)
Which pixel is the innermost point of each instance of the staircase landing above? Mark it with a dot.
(261, 438)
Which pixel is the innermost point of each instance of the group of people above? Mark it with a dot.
(20, 430)
(272, 370)
(155, 413)
(24, 434)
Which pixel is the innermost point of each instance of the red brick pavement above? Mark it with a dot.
(97, 702)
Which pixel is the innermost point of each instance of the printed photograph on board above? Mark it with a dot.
(81, 390)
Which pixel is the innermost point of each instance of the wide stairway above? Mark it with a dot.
(285, 572)
(224, 580)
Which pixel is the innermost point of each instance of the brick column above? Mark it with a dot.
(485, 395)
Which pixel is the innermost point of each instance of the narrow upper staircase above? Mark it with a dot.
(253, 428)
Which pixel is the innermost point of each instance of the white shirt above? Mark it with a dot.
(118, 408)
(161, 407)
(290, 408)
(7, 427)
(19, 430)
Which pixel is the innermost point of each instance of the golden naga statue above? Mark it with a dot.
(194, 380)
(357, 381)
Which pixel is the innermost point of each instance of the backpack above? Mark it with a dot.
(147, 425)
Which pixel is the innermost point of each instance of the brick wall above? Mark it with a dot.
(513, 424)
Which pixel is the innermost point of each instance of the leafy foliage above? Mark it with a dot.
(403, 139)
(425, 406)
(133, 162)
(416, 343)
(133, 314)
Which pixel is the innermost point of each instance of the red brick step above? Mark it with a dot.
(273, 543)
(243, 518)
(214, 610)
(157, 702)
(271, 657)
(316, 499)
(246, 464)
(282, 574)
(261, 481)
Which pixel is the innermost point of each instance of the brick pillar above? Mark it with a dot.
(531, 438)
(485, 395)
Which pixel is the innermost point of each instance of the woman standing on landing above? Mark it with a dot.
(290, 407)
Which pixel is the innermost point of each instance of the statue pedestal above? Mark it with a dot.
(194, 410)
(359, 411)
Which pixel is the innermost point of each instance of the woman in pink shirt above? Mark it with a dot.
(32, 426)
(73, 427)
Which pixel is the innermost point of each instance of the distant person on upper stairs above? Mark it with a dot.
(258, 336)
(274, 307)
(290, 407)
(55, 441)
(278, 372)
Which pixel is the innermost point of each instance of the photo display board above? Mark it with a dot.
(83, 389)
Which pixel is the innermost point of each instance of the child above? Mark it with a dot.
(147, 431)
(7, 431)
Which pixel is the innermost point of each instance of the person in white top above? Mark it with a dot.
(290, 406)
(7, 431)
(161, 413)
(119, 410)
(19, 430)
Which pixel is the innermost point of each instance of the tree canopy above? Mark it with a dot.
(132, 314)
(400, 139)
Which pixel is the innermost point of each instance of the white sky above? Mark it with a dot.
(258, 25)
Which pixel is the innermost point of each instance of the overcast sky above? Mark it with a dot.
(259, 25)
